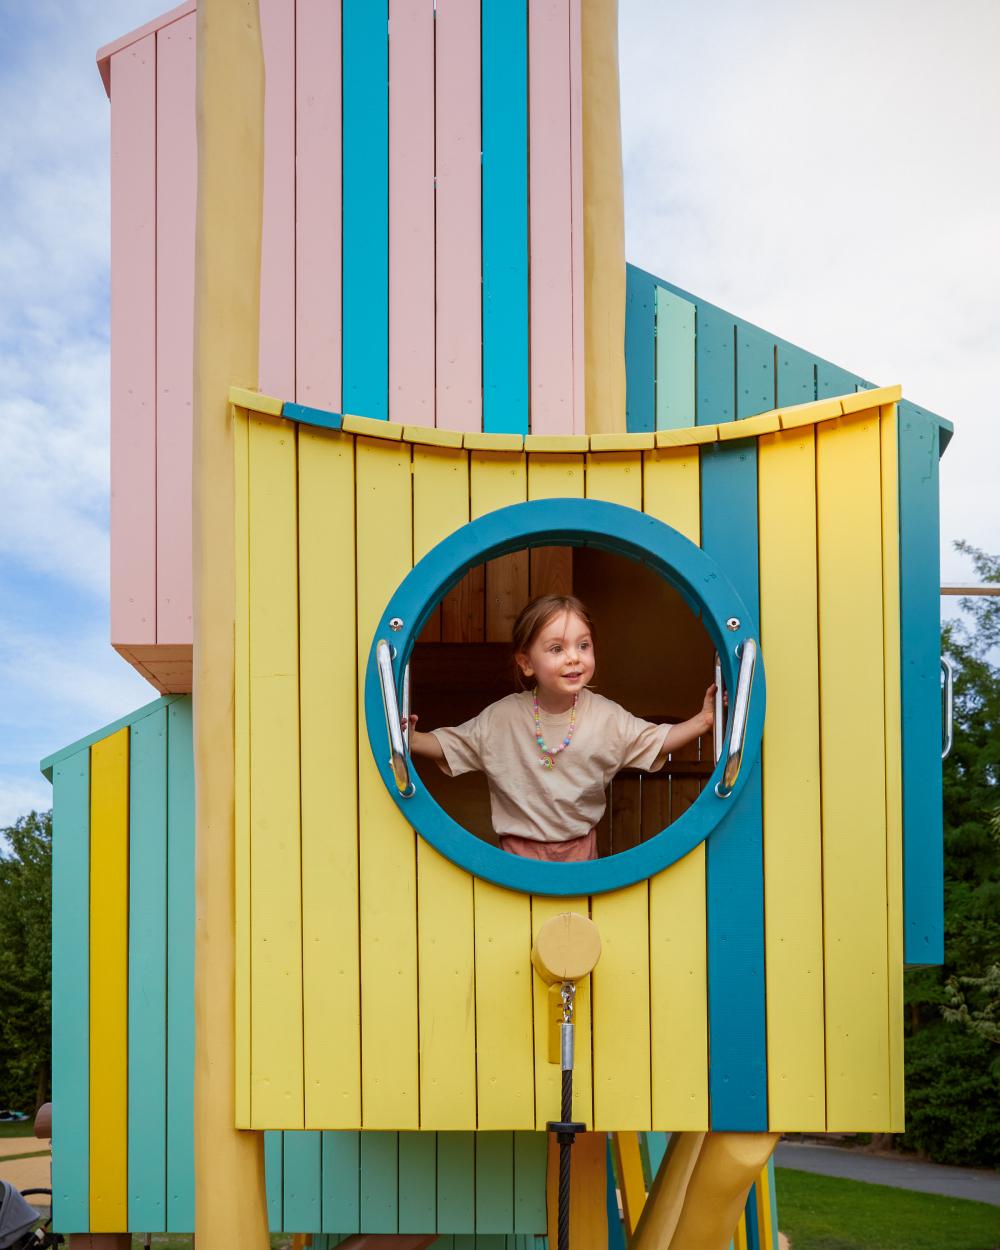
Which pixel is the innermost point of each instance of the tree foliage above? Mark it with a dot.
(25, 961)
(952, 1063)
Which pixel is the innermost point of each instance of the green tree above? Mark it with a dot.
(25, 961)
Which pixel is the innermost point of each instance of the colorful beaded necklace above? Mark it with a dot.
(549, 753)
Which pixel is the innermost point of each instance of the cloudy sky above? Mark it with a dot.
(823, 170)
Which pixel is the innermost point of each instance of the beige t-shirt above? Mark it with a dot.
(564, 801)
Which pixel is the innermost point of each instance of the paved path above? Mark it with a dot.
(980, 1185)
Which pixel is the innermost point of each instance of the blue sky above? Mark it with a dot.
(821, 170)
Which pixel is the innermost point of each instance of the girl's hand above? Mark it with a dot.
(708, 706)
(408, 722)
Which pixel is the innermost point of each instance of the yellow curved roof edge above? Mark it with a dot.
(690, 436)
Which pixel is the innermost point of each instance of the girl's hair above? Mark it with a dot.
(534, 616)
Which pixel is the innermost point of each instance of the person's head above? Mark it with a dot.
(553, 643)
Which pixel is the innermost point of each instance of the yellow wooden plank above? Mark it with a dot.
(893, 755)
(253, 401)
(622, 442)
(493, 442)
(740, 1240)
(328, 719)
(387, 871)
(689, 436)
(632, 1183)
(852, 702)
(504, 1027)
(678, 952)
(793, 835)
(809, 414)
(372, 427)
(621, 979)
(560, 444)
(241, 786)
(860, 401)
(275, 852)
(548, 1077)
(445, 922)
(750, 427)
(109, 805)
(432, 436)
(555, 476)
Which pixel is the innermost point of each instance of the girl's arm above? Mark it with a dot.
(426, 746)
(680, 735)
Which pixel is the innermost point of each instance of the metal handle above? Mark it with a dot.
(398, 759)
(948, 669)
(719, 722)
(738, 722)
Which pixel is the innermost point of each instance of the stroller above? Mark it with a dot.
(19, 1222)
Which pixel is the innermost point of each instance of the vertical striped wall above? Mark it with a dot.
(422, 257)
(123, 1033)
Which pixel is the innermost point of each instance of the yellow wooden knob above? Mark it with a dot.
(566, 948)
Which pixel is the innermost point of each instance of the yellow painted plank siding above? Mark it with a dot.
(848, 487)
(893, 757)
(678, 952)
(109, 807)
(445, 923)
(793, 834)
(241, 782)
(621, 979)
(328, 691)
(388, 869)
(504, 1015)
(275, 866)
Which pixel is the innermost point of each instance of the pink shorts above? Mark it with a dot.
(569, 852)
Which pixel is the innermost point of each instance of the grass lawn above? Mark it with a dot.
(17, 1128)
(827, 1213)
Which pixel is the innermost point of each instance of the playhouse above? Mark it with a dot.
(427, 451)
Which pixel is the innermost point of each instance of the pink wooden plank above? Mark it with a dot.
(411, 211)
(576, 192)
(318, 204)
(133, 343)
(176, 189)
(459, 217)
(277, 276)
(105, 54)
(550, 216)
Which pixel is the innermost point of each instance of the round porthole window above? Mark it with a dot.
(588, 526)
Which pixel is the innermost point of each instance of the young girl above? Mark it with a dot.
(550, 751)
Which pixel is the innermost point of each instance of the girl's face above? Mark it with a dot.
(560, 660)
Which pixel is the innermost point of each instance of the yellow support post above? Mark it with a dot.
(229, 1164)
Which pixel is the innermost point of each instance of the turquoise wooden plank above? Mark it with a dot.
(675, 325)
(365, 124)
(123, 722)
(505, 216)
(754, 371)
(274, 1178)
(920, 659)
(379, 1182)
(832, 380)
(640, 361)
(656, 1148)
(494, 1182)
(774, 1203)
(341, 1182)
(488, 1241)
(530, 1150)
(180, 967)
(734, 852)
(417, 1182)
(750, 1217)
(71, 992)
(147, 974)
(302, 1206)
(456, 1198)
(795, 376)
(312, 416)
(616, 1234)
(715, 365)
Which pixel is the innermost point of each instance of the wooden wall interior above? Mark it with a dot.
(657, 663)
(756, 982)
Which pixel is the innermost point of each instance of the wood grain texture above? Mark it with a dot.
(329, 750)
(458, 243)
(243, 1024)
(793, 837)
(318, 187)
(109, 880)
(411, 212)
